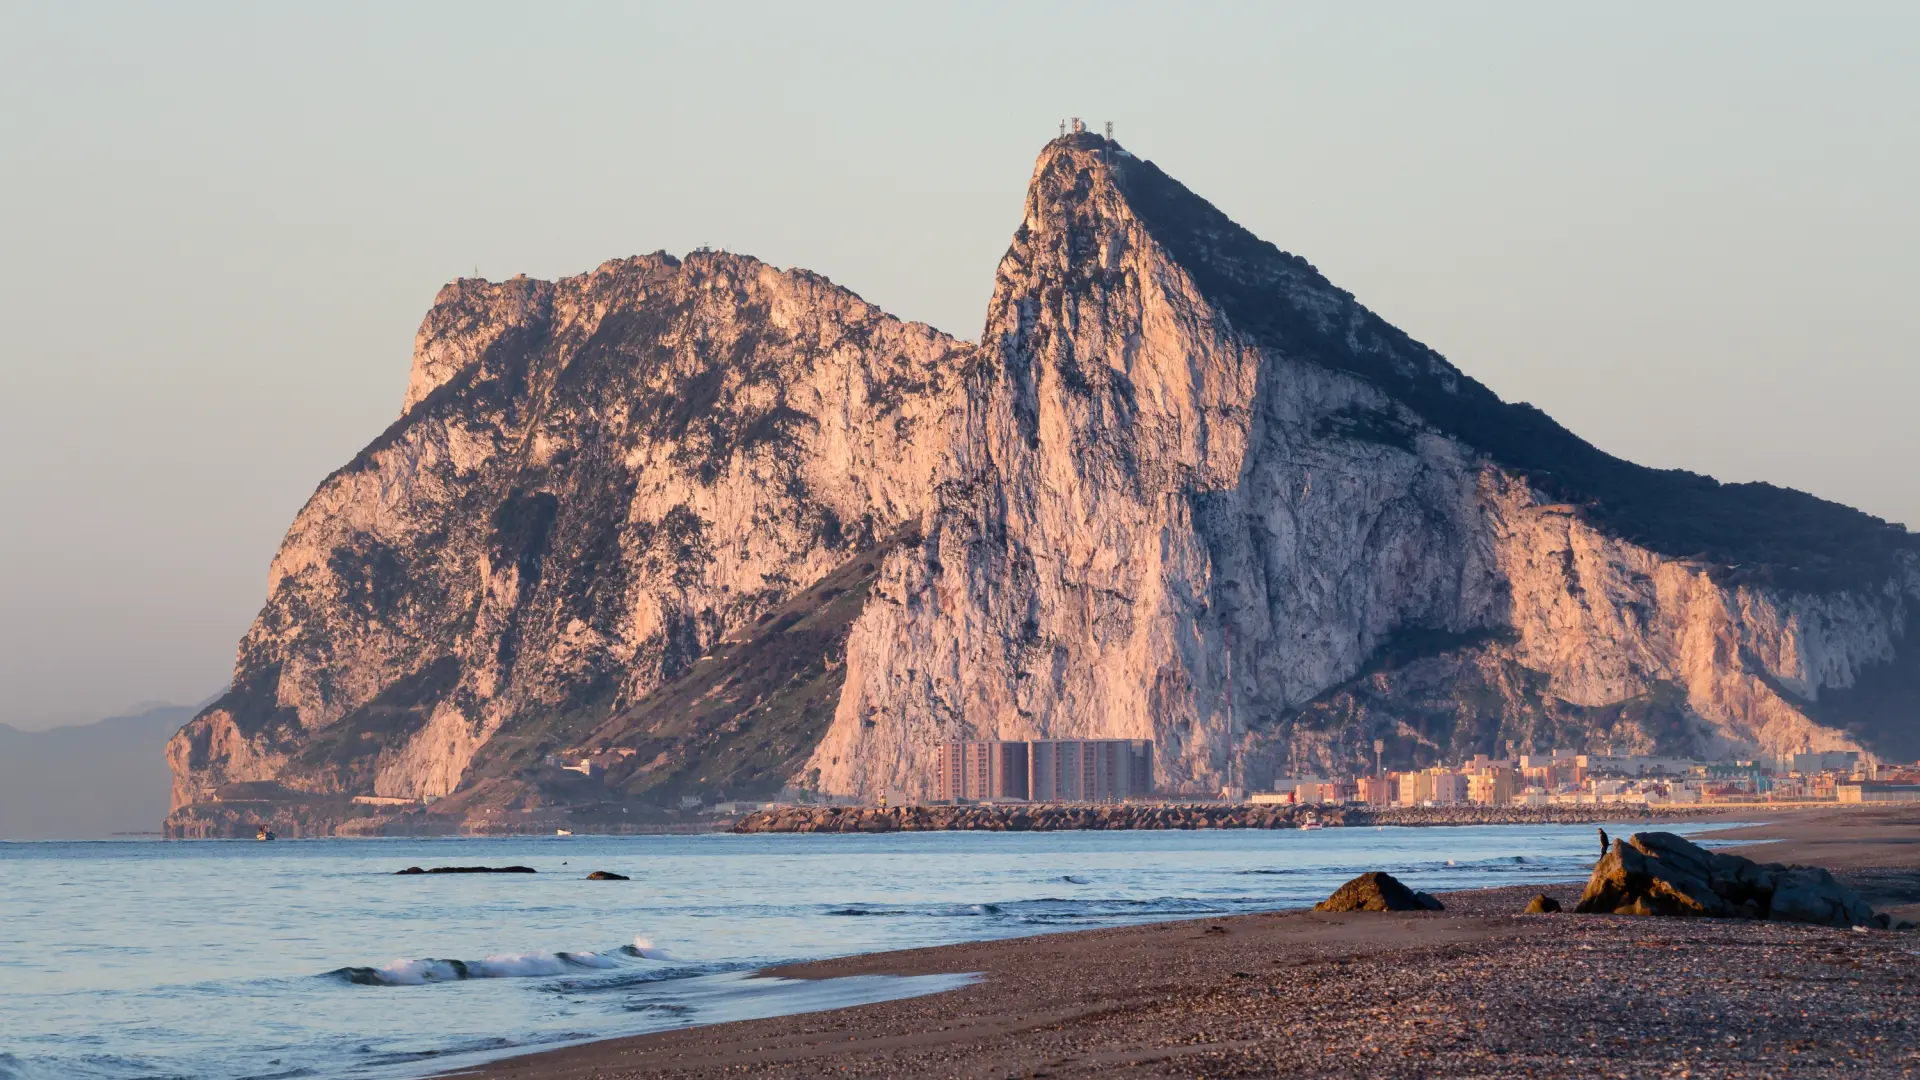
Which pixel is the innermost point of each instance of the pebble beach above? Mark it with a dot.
(1477, 990)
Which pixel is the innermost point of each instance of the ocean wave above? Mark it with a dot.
(501, 966)
(1500, 864)
(1044, 909)
(645, 949)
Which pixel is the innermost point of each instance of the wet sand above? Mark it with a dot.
(1475, 991)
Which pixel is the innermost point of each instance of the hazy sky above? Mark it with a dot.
(1689, 232)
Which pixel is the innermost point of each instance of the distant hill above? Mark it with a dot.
(89, 781)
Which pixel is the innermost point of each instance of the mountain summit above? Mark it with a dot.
(727, 529)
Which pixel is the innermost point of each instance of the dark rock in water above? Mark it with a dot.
(469, 870)
(1542, 905)
(1377, 891)
(1662, 874)
(607, 875)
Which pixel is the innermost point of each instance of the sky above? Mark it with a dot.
(1685, 231)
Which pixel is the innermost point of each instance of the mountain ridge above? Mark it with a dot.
(596, 482)
(87, 781)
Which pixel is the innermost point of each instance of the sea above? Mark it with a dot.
(297, 958)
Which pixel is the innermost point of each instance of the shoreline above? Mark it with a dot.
(1479, 988)
(1024, 817)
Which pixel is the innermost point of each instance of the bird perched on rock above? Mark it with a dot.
(1603, 843)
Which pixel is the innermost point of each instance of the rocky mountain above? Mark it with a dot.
(732, 529)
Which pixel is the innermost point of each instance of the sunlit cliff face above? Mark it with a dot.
(1173, 443)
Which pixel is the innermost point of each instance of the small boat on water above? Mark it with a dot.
(563, 832)
(1312, 822)
(264, 834)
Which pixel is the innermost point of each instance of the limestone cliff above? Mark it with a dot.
(831, 540)
(593, 482)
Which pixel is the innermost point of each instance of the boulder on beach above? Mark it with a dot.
(607, 875)
(1542, 905)
(1377, 891)
(1661, 874)
(469, 870)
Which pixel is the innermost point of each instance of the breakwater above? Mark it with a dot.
(1050, 818)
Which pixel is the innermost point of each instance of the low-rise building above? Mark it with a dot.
(1872, 792)
(1415, 788)
(1321, 791)
(1374, 790)
(1492, 787)
(1819, 761)
(1449, 788)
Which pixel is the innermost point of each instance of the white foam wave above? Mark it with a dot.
(644, 948)
(499, 966)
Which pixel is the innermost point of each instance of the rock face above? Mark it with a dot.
(746, 531)
(1662, 874)
(1377, 891)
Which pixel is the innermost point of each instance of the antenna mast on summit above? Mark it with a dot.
(1063, 129)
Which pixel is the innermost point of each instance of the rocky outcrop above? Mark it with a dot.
(1378, 891)
(1662, 874)
(1184, 444)
(733, 529)
(1542, 904)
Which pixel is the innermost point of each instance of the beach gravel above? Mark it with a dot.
(1479, 990)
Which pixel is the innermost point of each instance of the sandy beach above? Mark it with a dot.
(1478, 990)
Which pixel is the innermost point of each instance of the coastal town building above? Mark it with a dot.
(1491, 787)
(1567, 778)
(1089, 770)
(1871, 792)
(980, 771)
(1375, 790)
(1044, 770)
(1416, 788)
(1843, 761)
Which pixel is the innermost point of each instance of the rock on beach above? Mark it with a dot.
(1658, 873)
(1377, 891)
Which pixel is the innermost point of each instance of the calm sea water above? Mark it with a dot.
(230, 959)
